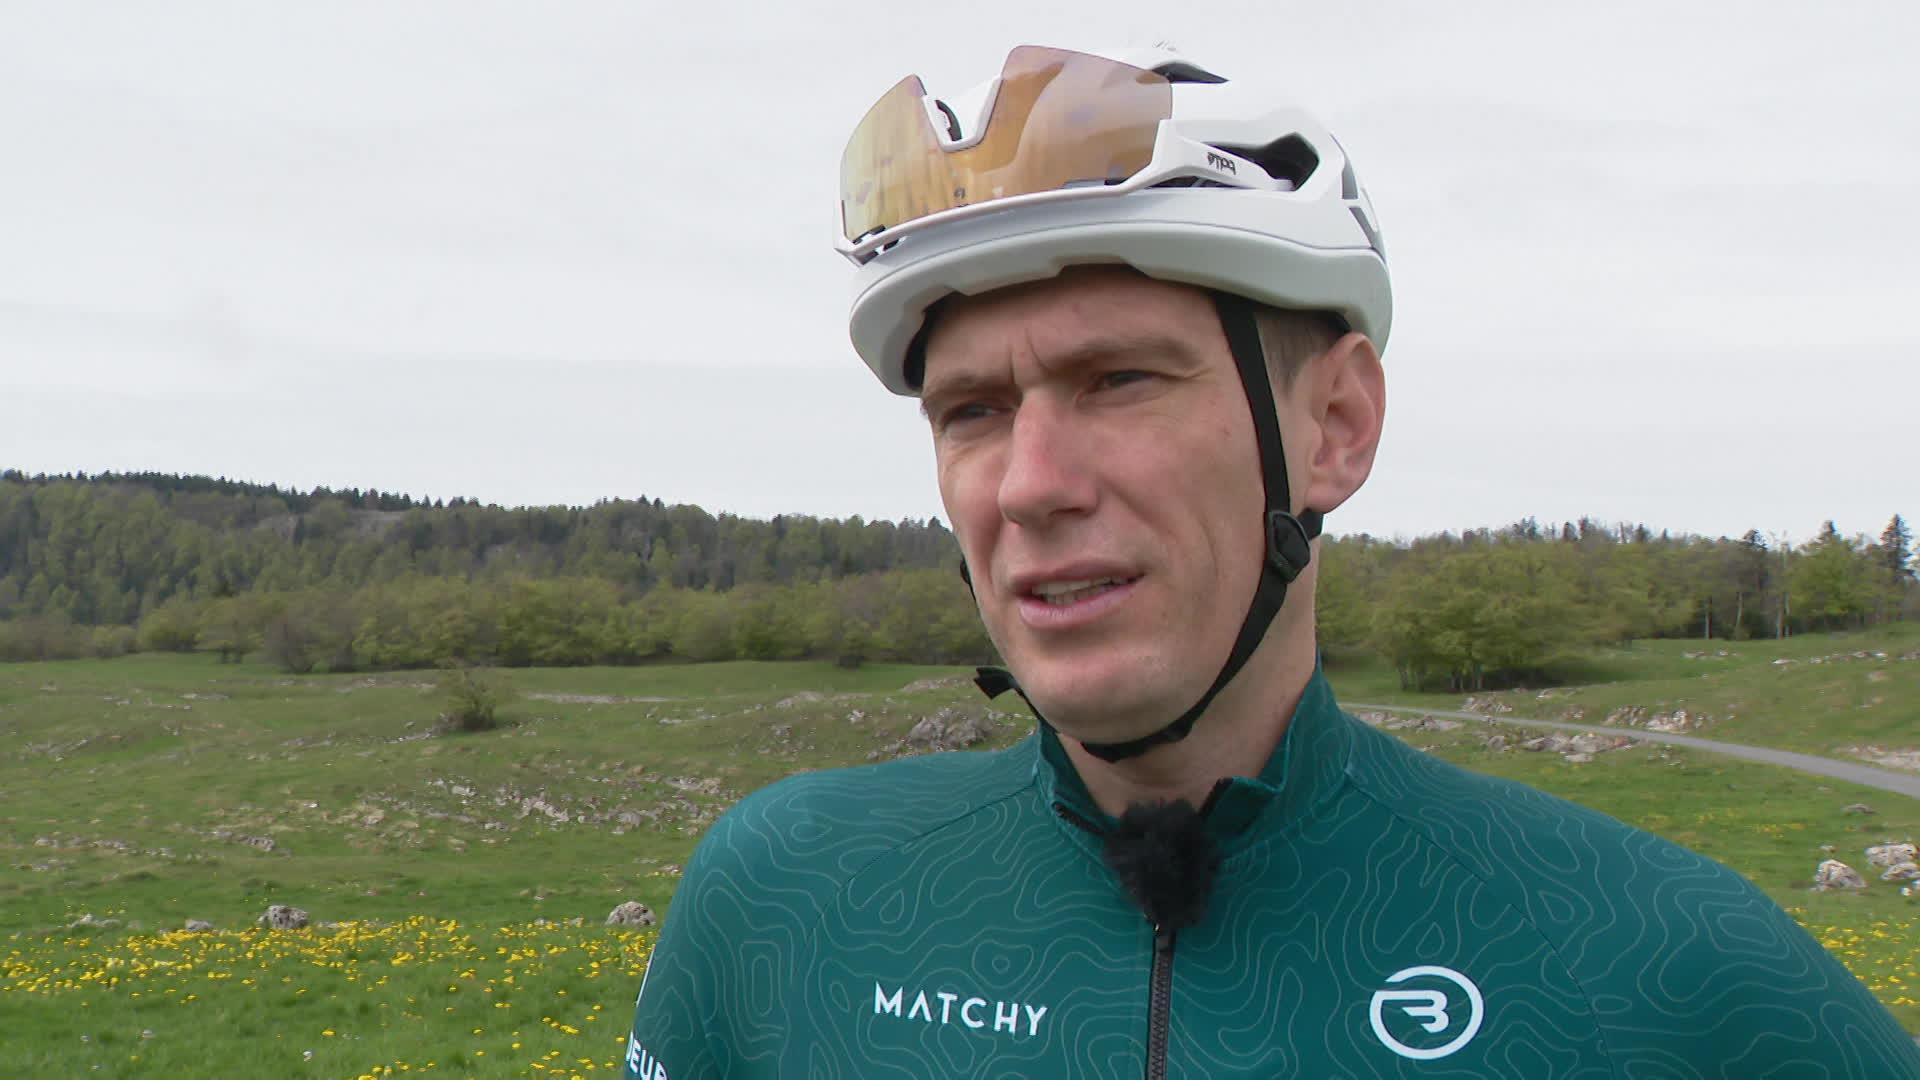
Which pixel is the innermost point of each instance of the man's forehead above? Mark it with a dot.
(1083, 315)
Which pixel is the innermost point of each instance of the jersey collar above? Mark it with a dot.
(1306, 769)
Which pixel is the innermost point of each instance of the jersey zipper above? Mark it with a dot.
(1159, 983)
(1160, 1004)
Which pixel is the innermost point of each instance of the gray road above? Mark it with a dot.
(1884, 779)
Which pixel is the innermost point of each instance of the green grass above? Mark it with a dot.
(116, 785)
(128, 787)
(1827, 700)
(417, 996)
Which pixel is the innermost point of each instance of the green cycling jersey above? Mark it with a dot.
(1377, 913)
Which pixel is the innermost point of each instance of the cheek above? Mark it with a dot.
(1237, 519)
(968, 495)
(1229, 497)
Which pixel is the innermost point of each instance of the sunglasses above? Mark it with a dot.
(1059, 125)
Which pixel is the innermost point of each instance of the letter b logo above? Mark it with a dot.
(1433, 1018)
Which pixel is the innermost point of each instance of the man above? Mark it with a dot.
(1144, 321)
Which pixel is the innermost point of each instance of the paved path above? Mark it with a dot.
(1884, 779)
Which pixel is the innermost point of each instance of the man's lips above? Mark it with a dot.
(1031, 582)
(1071, 597)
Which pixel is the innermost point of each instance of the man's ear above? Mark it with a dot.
(1345, 391)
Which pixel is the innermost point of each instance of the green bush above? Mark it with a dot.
(108, 642)
(472, 698)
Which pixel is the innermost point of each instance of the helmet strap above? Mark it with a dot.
(1288, 538)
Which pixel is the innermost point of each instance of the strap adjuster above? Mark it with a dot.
(994, 681)
(1288, 548)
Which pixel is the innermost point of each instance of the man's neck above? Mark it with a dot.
(1234, 737)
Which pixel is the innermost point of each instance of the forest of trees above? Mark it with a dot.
(1495, 606)
(350, 580)
(108, 549)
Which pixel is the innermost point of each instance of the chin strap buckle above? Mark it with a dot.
(1289, 549)
(994, 681)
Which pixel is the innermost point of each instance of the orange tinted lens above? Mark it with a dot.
(891, 163)
(1059, 119)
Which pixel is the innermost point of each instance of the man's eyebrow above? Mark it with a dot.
(1105, 347)
(962, 385)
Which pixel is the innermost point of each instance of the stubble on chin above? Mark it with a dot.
(1114, 709)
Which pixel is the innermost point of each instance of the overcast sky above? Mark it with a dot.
(1652, 261)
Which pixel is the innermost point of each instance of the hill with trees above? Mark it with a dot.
(1492, 607)
(352, 580)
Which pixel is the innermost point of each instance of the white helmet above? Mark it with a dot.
(1238, 196)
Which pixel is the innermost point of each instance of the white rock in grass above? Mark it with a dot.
(88, 922)
(284, 917)
(198, 926)
(1588, 743)
(630, 913)
(951, 728)
(1905, 871)
(1834, 874)
(1886, 855)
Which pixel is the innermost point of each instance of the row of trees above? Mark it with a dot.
(924, 616)
(1495, 606)
(183, 490)
(344, 581)
(109, 550)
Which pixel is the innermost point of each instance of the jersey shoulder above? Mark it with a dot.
(809, 833)
(1517, 837)
(1681, 958)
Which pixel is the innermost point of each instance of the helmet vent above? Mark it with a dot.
(1184, 71)
(1291, 159)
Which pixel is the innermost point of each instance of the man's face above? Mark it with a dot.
(1097, 459)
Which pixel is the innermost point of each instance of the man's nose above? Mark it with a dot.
(1046, 472)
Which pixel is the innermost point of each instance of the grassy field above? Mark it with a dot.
(1828, 694)
(468, 876)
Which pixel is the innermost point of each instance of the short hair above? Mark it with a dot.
(1289, 338)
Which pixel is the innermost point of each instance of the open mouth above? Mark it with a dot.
(1068, 593)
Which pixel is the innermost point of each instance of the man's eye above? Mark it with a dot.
(1112, 380)
(962, 413)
